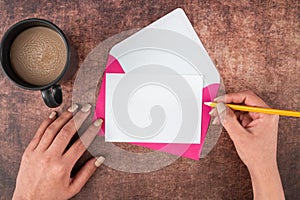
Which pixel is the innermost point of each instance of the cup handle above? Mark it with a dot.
(52, 96)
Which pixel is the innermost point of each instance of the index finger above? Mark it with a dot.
(247, 98)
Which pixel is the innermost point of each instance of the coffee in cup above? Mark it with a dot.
(36, 55)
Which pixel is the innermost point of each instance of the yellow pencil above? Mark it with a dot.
(290, 113)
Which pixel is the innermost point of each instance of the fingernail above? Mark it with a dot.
(215, 121)
(52, 115)
(218, 98)
(86, 107)
(212, 111)
(73, 108)
(98, 122)
(99, 161)
(221, 110)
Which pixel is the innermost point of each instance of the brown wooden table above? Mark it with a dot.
(254, 44)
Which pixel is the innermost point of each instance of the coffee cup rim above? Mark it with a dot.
(45, 23)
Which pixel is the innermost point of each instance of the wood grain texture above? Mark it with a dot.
(254, 44)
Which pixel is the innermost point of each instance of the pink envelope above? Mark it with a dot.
(191, 151)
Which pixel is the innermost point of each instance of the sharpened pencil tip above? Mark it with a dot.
(207, 103)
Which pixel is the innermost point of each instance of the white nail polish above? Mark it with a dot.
(99, 161)
(98, 122)
(212, 111)
(215, 121)
(52, 115)
(73, 108)
(218, 98)
(86, 108)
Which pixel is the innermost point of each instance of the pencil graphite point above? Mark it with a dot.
(207, 103)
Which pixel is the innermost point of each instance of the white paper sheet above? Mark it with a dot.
(146, 97)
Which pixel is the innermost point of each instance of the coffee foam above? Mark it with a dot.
(38, 55)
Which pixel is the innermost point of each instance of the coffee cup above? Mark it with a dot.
(36, 55)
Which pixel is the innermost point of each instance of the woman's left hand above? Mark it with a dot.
(46, 164)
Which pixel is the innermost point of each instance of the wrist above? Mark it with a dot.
(264, 170)
(266, 182)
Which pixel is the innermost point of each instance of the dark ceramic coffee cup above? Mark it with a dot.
(51, 92)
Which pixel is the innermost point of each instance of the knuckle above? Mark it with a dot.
(65, 133)
(51, 129)
(79, 146)
(45, 122)
(66, 115)
(56, 166)
(68, 129)
(58, 169)
(63, 136)
(90, 172)
(35, 140)
(250, 92)
(46, 160)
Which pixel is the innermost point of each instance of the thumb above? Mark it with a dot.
(229, 120)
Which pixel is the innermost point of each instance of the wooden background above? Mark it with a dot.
(254, 44)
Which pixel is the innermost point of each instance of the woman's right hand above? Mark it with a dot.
(255, 138)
